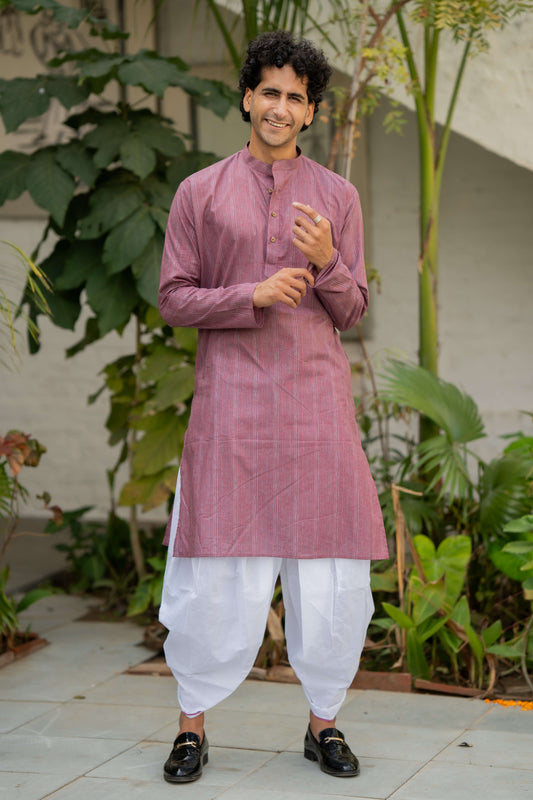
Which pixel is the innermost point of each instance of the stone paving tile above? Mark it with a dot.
(506, 718)
(99, 721)
(56, 755)
(427, 711)
(410, 743)
(240, 793)
(107, 789)
(145, 762)
(271, 698)
(55, 611)
(244, 729)
(76, 660)
(15, 713)
(491, 748)
(440, 782)
(291, 772)
(28, 785)
(136, 690)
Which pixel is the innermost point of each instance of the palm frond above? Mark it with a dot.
(445, 461)
(455, 412)
(504, 492)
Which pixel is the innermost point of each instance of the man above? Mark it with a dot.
(264, 255)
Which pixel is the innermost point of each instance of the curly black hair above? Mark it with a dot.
(276, 49)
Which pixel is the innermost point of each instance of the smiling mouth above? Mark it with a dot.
(277, 124)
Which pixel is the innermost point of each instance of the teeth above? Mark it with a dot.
(276, 124)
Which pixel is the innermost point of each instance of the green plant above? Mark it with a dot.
(463, 500)
(17, 450)
(468, 24)
(99, 556)
(436, 618)
(258, 16)
(114, 180)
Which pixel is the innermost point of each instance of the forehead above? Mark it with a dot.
(283, 78)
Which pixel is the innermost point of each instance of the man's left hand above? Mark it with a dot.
(312, 237)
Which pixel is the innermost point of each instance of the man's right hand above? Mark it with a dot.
(286, 286)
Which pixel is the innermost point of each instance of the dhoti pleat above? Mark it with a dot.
(216, 611)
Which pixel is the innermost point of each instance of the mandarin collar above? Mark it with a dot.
(284, 165)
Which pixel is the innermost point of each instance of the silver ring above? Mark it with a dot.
(317, 219)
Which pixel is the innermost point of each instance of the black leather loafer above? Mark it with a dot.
(332, 753)
(187, 759)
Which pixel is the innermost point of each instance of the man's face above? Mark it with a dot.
(278, 108)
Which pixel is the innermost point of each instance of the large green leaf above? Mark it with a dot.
(49, 185)
(161, 360)
(65, 308)
(213, 95)
(452, 410)
(184, 165)
(149, 491)
(450, 559)
(149, 70)
(160, 444)
(67, 89)
(111, 298)
(160, 216)
(427, 599)
(72, 17)
(146, 269)
(26, 98)
(400, 617)
(174, 388)
(13, 171)
(159, 193)
(504, 492)
(416, 660)
(82, 259)
(106, 139)
(128, 240)
(187, 339)
(22, 99)
(97, 64)
(155, 133)
(509, 563)
(522, 525)
(110, 204)
(137, 156)
(75, 159)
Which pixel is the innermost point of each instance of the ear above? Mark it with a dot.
(309, 114)
(247, 99)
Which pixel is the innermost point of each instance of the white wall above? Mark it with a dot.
(485, 269)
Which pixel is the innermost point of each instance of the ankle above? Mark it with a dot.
(192, 725)
(317, 724)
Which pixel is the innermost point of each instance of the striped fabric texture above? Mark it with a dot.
(272, 463)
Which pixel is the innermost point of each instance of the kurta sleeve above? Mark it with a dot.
(185, 297)
(341, 285)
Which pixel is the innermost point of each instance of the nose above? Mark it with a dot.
(281, 105)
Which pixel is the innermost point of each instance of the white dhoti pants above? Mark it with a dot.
(216, 609)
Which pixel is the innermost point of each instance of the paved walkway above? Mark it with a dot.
(74, 726)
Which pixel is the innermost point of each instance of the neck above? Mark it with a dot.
(268, 155)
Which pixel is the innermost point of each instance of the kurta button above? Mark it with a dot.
(272, 238)
(270, 191)
(273, 213)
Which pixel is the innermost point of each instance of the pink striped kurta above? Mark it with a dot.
(272, 463)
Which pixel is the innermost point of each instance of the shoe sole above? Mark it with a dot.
(186, 778)
(312, 756)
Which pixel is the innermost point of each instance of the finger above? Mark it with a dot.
(309, 211)
(301, 272)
